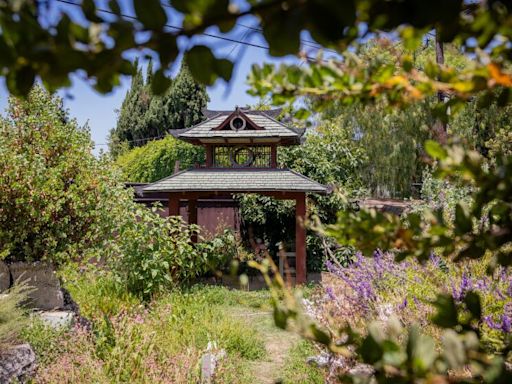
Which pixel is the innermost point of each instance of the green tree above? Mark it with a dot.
(144, 116)
(185, 101)
(132, 116)
(388, 143)
(55, 196)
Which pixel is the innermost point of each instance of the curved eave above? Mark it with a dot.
(217, 140)
(229, 180)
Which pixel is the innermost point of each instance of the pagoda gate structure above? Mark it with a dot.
(241, 157)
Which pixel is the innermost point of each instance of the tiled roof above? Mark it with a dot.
(271, 128)
(236, 180)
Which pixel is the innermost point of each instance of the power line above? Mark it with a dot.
(139, 140)
(236, 45)
(178, 28)
(307, 43)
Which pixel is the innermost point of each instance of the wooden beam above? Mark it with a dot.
(192, 216)
(281, 195)
(300, 239)
(174, 204)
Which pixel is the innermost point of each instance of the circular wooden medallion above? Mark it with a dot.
(241, 157)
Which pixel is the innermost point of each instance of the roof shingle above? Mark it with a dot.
(236, 180)
(271, 128)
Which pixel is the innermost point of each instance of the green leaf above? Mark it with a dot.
(302, 114)
(370, 350)
(319, 335)
(150, 13)
(446, 316)
(472, 301)
(280, 318)
(463, 222)
(114, 7)
(89, 10)
(205, 67)
(282, 30)
(435, 150)
(20, 81)
(421, 350)
(454, 352)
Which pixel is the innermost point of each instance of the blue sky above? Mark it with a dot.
(99, 111)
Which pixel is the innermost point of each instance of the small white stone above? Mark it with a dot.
(57, 319)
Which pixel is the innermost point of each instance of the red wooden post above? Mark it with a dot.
(192, 216)
(273, 156)
(300, 239)
(174, 204)
(209, 156)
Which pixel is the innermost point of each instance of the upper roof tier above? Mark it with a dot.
(241, 126)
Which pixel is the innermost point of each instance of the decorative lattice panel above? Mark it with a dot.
(242, 156)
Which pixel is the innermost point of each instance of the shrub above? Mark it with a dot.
(75, 362)
(378, 287)
(154, 253)
(96, 291)
(55, 196)
(157, 159)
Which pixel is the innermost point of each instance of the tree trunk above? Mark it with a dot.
(440, 128)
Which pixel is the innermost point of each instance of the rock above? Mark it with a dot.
(361, 370)
(385, 312)
(17, 364)
(5, 277)
(57, 319)
(47, 294)
(209, 362)
(321, 360)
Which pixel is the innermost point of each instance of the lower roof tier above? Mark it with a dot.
(236, 180)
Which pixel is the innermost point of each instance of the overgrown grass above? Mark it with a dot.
(161, 342)
(12, 315)
(296, 370)
(45, 340)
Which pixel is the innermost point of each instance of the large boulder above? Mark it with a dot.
(46, 293)
(17, 364)
(5, 277)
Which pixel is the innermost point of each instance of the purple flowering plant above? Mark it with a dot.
(367, 288)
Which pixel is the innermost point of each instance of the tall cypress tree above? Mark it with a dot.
(143, 116)
(131, 115)
(185, 101)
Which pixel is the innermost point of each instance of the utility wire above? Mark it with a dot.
(139, 140)
(178, 28)
(235, 45)
(307, 43)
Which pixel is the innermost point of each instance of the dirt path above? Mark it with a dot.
(277, 344)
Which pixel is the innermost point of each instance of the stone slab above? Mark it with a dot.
(46, 294)
(5, 277)
(57, 319)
